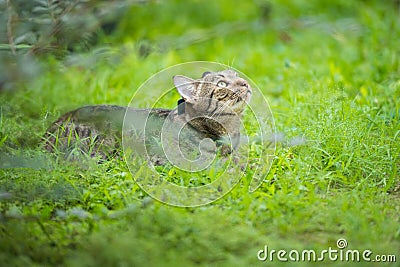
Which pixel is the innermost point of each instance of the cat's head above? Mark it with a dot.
(215, 92)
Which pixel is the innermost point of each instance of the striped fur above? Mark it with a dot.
(213, 107)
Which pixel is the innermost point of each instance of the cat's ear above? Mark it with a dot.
(185, 87)
(205, 74)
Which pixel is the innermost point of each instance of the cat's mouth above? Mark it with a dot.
(241, 100)
(244, 96)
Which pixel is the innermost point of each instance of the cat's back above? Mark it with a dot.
(100, 124)
(103, 115)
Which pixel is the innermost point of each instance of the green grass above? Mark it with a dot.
(331, 75)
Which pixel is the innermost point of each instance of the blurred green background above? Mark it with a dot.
(329, 69)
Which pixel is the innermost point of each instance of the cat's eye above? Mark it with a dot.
(222, 84)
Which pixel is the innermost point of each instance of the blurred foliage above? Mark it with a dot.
(72, 27)
(53, 26)
(50, 27)
(330, 70)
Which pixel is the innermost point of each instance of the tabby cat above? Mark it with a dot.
(210, 109)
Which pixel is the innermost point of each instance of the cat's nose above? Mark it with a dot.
(242, 83)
